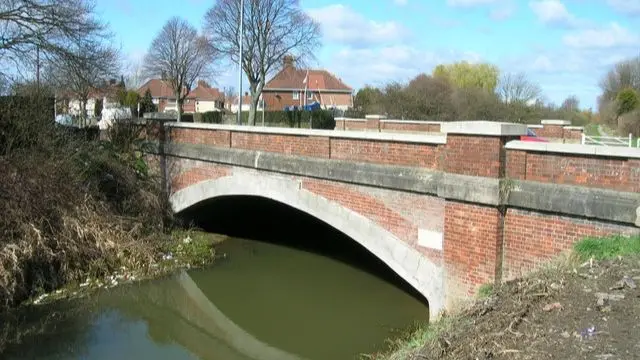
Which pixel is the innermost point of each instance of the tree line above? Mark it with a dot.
(619, 103)
(463, 90)
(71, 50)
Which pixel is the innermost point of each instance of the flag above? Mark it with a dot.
(306, 78)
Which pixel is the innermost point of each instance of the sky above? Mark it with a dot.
(566, 46)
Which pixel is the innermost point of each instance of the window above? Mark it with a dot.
(296, 95)
(309, 95)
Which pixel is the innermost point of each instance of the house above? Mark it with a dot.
(287, 88)
(161, 93)
(108, 93)
(204, 98)
(232, 104)
(201, 99)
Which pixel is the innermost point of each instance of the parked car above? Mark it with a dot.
(532, 136)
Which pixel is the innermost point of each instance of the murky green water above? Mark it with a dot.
(264, 301)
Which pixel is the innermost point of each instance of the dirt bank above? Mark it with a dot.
(583, 307)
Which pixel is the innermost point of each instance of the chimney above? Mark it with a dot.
(203, 83)
(288, 61)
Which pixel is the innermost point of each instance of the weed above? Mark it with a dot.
(607, 247)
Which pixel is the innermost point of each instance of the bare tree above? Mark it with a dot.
(33, 32)
(80, 79)
(182, 56)
(134, 74)
(272, 29)
(516, 88)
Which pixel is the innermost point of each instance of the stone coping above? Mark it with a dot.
(395, 121)
(483, 128)
(575, 149)
(534, 126)
(555, 122)
(350, 119)
(574, 128)
(346, 134)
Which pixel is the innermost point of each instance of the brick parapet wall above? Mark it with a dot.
(391, 151)
(551, 132)
(574, 166)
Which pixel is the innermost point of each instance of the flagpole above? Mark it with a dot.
(241, 37)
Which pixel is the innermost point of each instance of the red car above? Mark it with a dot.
(531, 136)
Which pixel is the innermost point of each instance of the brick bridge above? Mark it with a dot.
(448, 212)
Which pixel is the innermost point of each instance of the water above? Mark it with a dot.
(264, 301)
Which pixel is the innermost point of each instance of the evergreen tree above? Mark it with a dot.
(146, 104)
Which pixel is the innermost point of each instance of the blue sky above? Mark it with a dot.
(564, 45)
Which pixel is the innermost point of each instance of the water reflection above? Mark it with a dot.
(265, 302)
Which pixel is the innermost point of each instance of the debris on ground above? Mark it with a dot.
(590, 312)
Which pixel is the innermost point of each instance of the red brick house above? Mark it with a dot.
(287, 88)
(202, 98)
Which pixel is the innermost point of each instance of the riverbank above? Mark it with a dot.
(181, 249)
(579, 306)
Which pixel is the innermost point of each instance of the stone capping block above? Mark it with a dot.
(374, 117)
(535, 126)
(574, 200)
(555, 122)
(574, 128)
(575, 149)
(345, 134)
(394, 121)
(483, 128)
(350, 119)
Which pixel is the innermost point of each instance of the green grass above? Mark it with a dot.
(485, 291)
(192, 246)
(607, 247)
(591, 130)
(412, 340)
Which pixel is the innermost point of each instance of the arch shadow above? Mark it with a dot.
(423, 275)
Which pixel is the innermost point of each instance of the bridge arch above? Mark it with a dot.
(417, 270)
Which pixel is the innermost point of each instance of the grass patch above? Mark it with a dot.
(411, 341)
(485, 291)
(192, 247)
(591, 130)
(607, 247)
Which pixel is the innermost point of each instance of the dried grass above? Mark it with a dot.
(71, 207)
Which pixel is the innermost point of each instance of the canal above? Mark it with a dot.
(288, 287)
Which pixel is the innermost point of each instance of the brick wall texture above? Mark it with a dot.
(611, 173)
(532, 238)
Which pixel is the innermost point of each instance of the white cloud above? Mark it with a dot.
(391, 63)
(343, 25)
(553, 12)
(629, 7)
(611, 36)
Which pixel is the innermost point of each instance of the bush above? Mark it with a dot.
(322, 119)
(186, 117)
(71, 206)
(212, 117)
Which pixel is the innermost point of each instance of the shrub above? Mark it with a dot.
(322, 119)
(212, 117)
(186, 117)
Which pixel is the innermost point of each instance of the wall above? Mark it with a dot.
(506, 206)
(552, 130)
